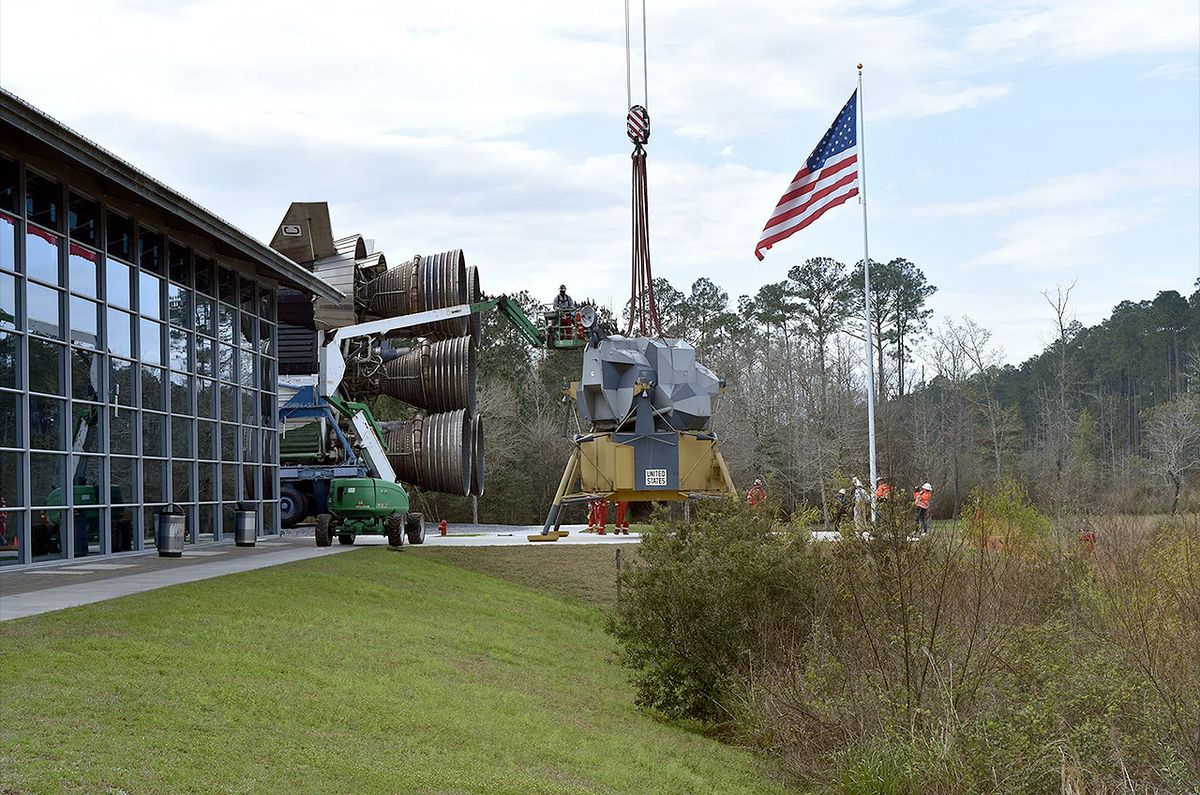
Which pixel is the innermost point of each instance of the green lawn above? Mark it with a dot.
(367, 671)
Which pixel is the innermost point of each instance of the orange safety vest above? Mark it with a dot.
(756, 495)
(921, 498)
(883, 491)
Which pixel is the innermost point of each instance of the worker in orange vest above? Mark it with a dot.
(921, 506)
(757, 493)
(883, 490)
(622, 525)
(602, 517)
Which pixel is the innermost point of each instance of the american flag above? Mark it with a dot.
(829, 178)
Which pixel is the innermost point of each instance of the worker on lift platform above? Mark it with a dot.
(564, 309)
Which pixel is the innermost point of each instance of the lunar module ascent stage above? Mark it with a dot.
(649, 404)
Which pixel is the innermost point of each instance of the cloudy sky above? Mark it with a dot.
(1011, 146)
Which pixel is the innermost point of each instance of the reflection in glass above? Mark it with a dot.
(81, 270)
(8, 301)
(152, 389)
(150, 341)
(153, 428)
(85, 428)
(247, 368)
(229, 444)
(270, 524)
(206, 357)
(181, 400)
(47, 423)
(47, 360)
(177, 264)
(45, 314)
(181, 437)
(205, 316)
(89, 526)
(266, 336)
(84, 314)
(149, 295)
(225, 280)
(9, 359)
(179, 348)
(120, 239)
(117, 282)
(83, 220)
(206, 395)
(225, 316)
(11, 479)
(48, 478)
(153, 480)
(206, 440)
(228, 363)
(204, 275)
(229, 482)
(87, 375)
(120, 381)
(122, 479)
(208, 482)
(150, 250)
(181, 481)
(179, 305)
(268, 483)
(208, 522)
(8, 242)
(120, 332)
(250, 444)
(249, 409)
(10, 419)
(121, 423)
(42, 198)
(41, 255)
(88, 472)
(250, 482)
(229, 403)
(266, 304)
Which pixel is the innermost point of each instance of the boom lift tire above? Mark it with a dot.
(394, 525)
(414, 528)
(292, 505)
(346, 539)
(324, 530)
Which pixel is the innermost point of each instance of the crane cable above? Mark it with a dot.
(642, 306)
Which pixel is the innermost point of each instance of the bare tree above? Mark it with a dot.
(1173, 442)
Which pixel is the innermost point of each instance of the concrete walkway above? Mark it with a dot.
(29, 591)
(39, 589)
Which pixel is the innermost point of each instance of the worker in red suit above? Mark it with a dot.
(602, 517)
(622, 525)
(757, 493)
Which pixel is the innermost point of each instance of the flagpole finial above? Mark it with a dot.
(860, 68)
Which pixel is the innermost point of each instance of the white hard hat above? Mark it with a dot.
(758, 481)
(927, 487)
(857, 482)
(841, 491)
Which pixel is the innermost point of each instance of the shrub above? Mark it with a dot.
(698, 606)
(998, 655)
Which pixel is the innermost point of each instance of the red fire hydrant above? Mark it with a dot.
(443, 526)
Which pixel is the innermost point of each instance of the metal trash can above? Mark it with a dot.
(245, 528)
(169, 535)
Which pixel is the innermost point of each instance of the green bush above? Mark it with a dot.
(698, 605)
(998, 655)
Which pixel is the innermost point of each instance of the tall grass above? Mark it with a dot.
(1000, 654)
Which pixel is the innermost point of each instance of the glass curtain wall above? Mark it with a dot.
(135, 374)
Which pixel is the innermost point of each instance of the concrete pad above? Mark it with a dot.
(79, 571)
(158, 573)
(107, 566)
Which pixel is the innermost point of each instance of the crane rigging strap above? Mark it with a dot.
(643, 312)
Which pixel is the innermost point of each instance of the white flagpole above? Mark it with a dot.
(862, 199)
